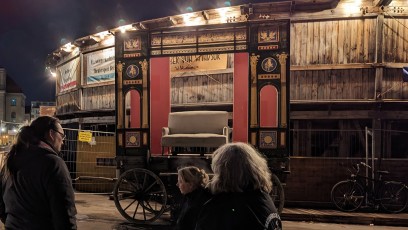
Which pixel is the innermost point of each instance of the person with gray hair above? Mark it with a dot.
(240, 186)
(191, 182)
(36, 189)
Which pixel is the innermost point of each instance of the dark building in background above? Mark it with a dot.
(12, 107)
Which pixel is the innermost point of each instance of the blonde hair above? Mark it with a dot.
(238, 167)
(193, 175)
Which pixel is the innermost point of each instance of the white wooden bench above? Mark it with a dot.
(196, 129)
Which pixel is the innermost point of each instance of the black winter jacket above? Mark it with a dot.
(39, 195)
(252, 210)
(190, 208)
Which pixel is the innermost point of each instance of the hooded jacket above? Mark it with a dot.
(190, 208)
(239, 211)
(39, 194)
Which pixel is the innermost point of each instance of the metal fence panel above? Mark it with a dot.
(93, 168)
(91, 164)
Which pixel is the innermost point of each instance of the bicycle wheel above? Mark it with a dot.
(140, 196)
(277, 194)
(393, 197)
(347, 195)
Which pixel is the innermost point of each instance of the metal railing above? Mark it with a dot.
(347, 143)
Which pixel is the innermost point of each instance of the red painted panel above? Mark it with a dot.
(159, 100)
(134, 109)
(269, 106)
(240, 117)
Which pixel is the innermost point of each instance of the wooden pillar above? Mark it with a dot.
(119, 107)
(254, 89)
(145, 96)
(283, 108)
(379, 57)
(241, 96)
(379, 72)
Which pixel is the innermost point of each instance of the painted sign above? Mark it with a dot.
(198, 62)
(47, 110)
(100, 66)
(68, 74)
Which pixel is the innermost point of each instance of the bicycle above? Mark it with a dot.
(348, 195)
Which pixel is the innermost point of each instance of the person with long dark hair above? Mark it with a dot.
(36, 189)
(240, 186)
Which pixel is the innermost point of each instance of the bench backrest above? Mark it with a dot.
(198, 122)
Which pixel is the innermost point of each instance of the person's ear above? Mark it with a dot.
(50, 135)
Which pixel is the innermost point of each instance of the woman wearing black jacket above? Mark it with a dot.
(36, 189)
(191, 182)
(240, 188)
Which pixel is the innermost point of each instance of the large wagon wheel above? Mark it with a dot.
(277, 194)
(140, 196)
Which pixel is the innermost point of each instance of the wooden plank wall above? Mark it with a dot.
(214, 88)
(395, 55)
(393, 87)
(337, 41)
(68, 102)
(396, 40)
(337, 84)
(100, 97)
(335, 59)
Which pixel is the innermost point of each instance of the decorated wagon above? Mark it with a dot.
(181, 92)
(235, 61)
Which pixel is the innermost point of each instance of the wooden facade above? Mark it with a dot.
(202, 89)
(345, 65)
(346, 74)
(339, 57)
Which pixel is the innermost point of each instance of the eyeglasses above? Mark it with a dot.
(62, 135)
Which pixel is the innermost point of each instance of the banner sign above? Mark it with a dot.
(198, 62)
(68, 74)
(100, 66)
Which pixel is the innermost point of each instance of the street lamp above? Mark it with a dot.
(53, 73)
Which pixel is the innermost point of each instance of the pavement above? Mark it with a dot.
(99, 212)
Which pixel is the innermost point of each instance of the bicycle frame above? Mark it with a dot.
(349, 195)
(371, 186)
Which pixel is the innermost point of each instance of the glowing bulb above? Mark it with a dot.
(53, 74)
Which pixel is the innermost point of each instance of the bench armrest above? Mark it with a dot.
(165, 131)
(226, 132)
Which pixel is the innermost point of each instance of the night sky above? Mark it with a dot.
(31, 29)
